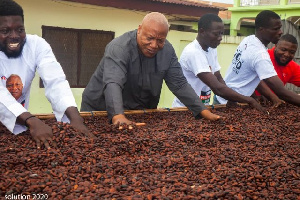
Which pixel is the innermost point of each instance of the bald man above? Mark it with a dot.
(15, 86)
(131, 73)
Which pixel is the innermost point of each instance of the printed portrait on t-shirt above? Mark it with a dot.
(14, 85)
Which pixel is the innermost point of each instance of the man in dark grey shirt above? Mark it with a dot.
(131, 74)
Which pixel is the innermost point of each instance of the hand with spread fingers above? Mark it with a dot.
(121, 119)
(76, 121)
(206, 114)
(80, 127)
(40, 132)
(253, 103)
(276, 101)
(262, 100)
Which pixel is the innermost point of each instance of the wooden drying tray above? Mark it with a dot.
(128, 112)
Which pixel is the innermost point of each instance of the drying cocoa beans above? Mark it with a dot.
(247, 155)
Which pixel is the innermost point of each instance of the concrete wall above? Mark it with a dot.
(81, 16)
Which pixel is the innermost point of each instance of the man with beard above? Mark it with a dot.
(282, 55)
(251, 66)
(200, 66)
(288, 71)
(131, 73)
(24, 54)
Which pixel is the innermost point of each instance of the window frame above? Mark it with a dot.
(79, 33)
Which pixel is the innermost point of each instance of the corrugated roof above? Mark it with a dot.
(194, 3)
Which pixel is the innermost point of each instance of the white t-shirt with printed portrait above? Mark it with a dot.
(37, 56)
(251, 64)
(195, 60)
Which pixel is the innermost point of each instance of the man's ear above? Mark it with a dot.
(260, 29)
(201, 31)
(139, 29)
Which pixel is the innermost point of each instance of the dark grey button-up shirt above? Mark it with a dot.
(125, 79)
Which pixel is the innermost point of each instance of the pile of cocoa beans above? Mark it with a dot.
(246, 155)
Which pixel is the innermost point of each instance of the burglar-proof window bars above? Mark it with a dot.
(79, 51)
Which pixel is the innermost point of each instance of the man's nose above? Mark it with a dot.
(14, 34)
(15, 87)
(154, 44)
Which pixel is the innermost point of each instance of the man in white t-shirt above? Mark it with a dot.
(199, 62)
(251, 65)
(23, 55)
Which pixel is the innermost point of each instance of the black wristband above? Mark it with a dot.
(25, 122)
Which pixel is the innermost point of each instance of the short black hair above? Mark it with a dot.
(264, 17)
(289, 38)
(10, 8)
(206, 20)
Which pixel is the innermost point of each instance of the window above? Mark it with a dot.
(78, 51)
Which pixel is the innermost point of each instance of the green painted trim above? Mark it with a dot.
(283, 2)
(236, 3)
(284, 9)
(268, 7)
